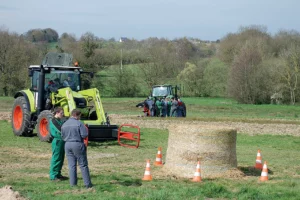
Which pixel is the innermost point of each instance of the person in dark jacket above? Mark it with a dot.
(180, 110)
(174, 106)
(73, 133)
(169, 104)
(58, 145)
(164, 105)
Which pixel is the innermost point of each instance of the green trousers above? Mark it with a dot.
(57, 160)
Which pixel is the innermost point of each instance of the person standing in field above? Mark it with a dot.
(73, 133)
(174, 107)
(169, 104)
(58, 145)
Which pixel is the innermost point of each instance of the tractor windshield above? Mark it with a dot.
(57, 79)
(62, 79)
(161, 91)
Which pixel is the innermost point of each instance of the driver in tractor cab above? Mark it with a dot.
(52, 86)
(69, 83)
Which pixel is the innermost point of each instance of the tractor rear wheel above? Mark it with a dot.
(43, 126)
(21, 117)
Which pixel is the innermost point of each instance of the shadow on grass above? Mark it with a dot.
(251, 171)
(126, 180)
(32, 135)
(103, 143)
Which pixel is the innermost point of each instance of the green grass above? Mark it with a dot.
(116, 171)
(215, 109)
(52, 45)
(6, 103)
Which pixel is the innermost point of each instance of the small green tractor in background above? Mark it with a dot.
(160, 92)
(50, 88)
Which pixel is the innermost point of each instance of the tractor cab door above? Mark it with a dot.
(34, 86)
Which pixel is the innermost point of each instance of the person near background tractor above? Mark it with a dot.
(169, 103)
(180, 109)
(158, 106)
(58, 145)
(148, 107)
(73, 133)
(174, 107)
(164, 107)
(180, 112)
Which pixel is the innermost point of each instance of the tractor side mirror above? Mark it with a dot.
(92, 74)
(30, 72)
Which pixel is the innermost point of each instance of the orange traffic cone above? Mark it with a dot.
(158, 160)
(258, 163)
(147, 175)
(264, 173)
(197, 174)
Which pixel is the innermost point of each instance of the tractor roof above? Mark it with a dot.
(57, 67)
(165, 85)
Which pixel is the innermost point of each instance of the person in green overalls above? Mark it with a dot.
(58, 146)
(169, 104)
(158, 104)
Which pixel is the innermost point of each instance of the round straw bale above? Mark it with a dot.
(214, 146)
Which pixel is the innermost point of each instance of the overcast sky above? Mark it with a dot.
(140, 19)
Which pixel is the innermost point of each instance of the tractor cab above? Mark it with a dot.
(160, 91)
(58, 72)
(55, 78)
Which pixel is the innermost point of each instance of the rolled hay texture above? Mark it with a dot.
(214, 146)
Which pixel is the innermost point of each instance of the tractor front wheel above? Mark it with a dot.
(43, 123)
(20, 118)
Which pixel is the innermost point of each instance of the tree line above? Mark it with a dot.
(251, 65)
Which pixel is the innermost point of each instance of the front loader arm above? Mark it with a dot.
(95, 94)
(65, 99)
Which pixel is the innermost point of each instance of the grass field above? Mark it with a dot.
(116, 171)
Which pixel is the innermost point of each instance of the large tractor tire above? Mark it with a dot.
(43, 123)
(21, 117)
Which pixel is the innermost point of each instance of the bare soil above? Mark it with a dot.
(7, 193)
(5, 116)
(161, 123)
(241, 127)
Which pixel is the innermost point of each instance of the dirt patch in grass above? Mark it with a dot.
(242, 127)
(5, 116)
(7, 193)
(251, 128)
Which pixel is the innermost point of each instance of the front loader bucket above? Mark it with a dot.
(102, 132)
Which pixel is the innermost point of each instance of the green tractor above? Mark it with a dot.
(159, 92)
(57, 82)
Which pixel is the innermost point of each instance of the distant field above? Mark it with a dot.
(6, 103)
(52, 45)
